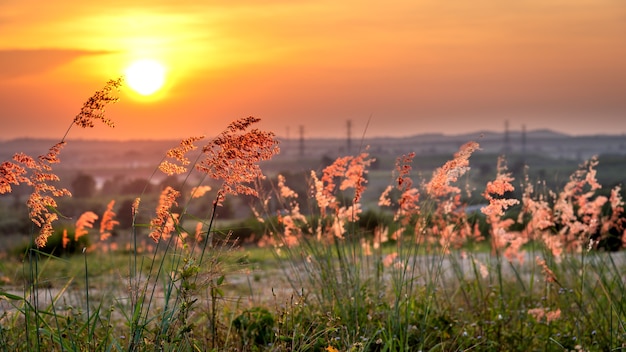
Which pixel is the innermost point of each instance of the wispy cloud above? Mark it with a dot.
(18, 63)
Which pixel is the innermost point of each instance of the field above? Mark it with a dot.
(356, 255)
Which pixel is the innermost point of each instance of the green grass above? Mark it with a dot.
(341, 298)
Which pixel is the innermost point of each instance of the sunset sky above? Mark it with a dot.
(407, 67)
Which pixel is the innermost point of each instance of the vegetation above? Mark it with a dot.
(533, 268)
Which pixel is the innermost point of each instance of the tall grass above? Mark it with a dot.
(166, 279)
(427, 274)
(416, 284)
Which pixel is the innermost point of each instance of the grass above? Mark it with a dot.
(442, 303)
(419, 273)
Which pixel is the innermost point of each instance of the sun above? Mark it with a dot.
(145, 76)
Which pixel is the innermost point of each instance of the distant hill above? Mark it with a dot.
(148, 153)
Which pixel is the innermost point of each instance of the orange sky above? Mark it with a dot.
(413, 66)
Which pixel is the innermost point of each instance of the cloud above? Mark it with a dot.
(19, 63)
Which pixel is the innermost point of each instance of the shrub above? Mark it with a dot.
(255, 326)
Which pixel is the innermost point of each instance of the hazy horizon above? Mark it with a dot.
(355, 137)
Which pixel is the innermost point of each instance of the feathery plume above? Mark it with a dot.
(197, 192)
(547, 272)
(93, 108)
(496, 189)
(285, 192)
(540, 313)
(135, 207)
(198, 232)
(178, 154)
(46, 229)
(439, 185)
(163, 223)
(84, 222)
(576, 210)
(108, 223)
(354, 176)
(390, 259)
(403, 168)
(502, 237)
(384, 200)
(41, 201)
(233, 156)
(65, 240)
(11, 174)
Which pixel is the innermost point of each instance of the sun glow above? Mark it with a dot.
(145, 76)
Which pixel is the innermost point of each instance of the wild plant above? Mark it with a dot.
(351, 275)
(38, 174)
(415, 283)
(231, 158)
(164, 288)
(326, 251)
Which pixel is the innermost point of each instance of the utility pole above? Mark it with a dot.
(349, 140)
(524, 144)
(507, 140)
(287, 145)
(301, 140)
